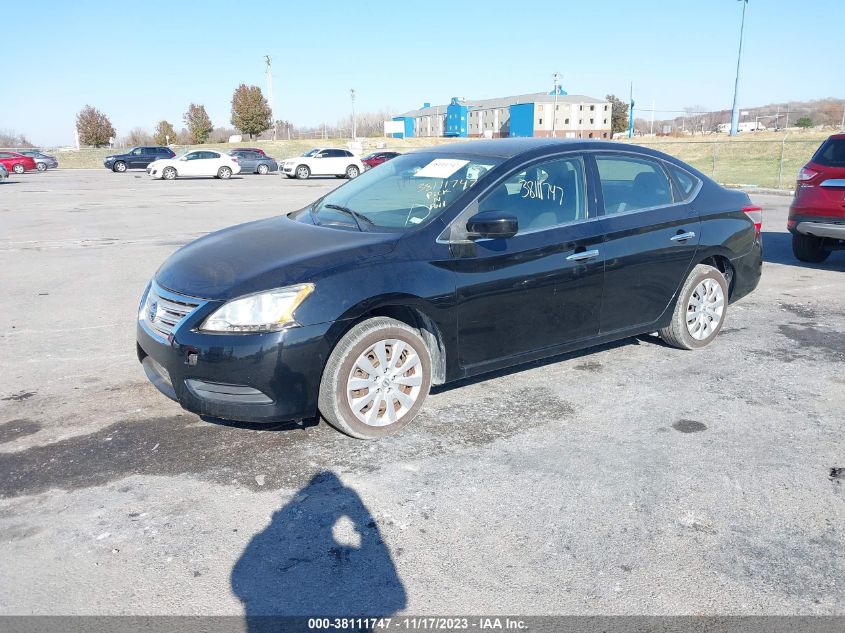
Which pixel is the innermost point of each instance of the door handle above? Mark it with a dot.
(582, 256)
(682, 237)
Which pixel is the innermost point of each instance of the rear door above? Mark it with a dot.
(650, 238)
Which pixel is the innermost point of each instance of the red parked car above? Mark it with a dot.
(17, 163)
(377, 158)
(817, 214)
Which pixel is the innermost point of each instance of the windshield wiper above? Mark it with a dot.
(355, 215)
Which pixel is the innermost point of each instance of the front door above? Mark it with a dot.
(542, 287)
(651, 236)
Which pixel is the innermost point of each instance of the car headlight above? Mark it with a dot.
(269, 311)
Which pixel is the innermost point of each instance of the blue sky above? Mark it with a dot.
(144, 61)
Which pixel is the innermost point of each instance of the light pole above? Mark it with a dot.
(352, 95)
(554, 111)
(270, 92)
(735, 111)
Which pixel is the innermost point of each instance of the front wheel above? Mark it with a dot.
(169, 173)
(18, 169)
(119, 166)
(700, 310)
(808, 248)
(352, 172)
(224, 173)
(302, 172)
(41, 166)
(376, 379)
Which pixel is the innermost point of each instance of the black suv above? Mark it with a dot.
(137, 158)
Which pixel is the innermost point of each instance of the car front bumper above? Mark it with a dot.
(268, 377)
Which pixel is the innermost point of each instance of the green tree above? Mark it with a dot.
(804, 122)
(199, 125)
(618, 114)
(94, 127)
(250, 111)
(164, 133)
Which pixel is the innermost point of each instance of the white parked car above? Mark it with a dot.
(323, 161)
(201, 162)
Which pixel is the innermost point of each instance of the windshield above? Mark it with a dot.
(311, 152)
(406, 192)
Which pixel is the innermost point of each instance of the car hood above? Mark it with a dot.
(266, 254)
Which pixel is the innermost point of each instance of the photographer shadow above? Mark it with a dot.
(321, 556)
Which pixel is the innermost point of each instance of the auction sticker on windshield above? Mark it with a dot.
(440, 168)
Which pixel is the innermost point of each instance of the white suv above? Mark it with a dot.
(325, 161)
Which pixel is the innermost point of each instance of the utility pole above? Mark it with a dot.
(269, 72)
(554, 111)
(652, 116)
(631, 114)
(352, 95)
(842, 124)
(735, 110)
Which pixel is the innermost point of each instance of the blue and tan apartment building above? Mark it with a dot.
(536, 114)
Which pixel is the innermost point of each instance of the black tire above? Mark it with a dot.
(224, 173)
(119, 167)
(352, 172)
(169, 173)
(41, 166)
(808, 248)
(334, 403)
(677, 333)
(302, 172)
(19, 168)
(262, 169)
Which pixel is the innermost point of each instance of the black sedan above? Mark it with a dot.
(442, 264)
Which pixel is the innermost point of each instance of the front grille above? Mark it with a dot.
(163, 310)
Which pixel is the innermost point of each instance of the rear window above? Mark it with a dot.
(831, 153)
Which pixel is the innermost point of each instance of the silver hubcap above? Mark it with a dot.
(352, 173)
(169, 173)
(385, 382)
(121, 167)
(18, 169)
(302, 172)
(224, 173)
(262, 169)
(705, 309)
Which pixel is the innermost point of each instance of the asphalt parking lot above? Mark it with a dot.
(628, 479)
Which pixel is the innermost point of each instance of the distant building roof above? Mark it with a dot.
(503, 102)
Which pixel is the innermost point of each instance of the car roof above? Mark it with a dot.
(510, 147)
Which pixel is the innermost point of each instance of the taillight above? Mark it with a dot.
(755, 214)
(805, 174)
(234, 159)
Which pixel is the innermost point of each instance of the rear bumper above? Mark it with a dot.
(832, 230)
(748, 269)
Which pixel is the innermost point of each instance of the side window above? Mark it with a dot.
(629, 183)
(541, 196)
(685, 180)
(193, 156)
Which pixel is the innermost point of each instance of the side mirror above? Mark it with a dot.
(492, 224)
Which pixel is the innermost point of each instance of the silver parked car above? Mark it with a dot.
(43, 161)
(254, 162)
(4, 173)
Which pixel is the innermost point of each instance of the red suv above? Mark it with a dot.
(17, 163)
(817, 214)
(377, 158)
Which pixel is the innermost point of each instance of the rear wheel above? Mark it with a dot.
(700, 310)
(302, 172)
(376, 379)
(119, 166)
(263, 169)
(169, 173)
(41, 166)
(352, 172)
(224, 173)
(808, 248)
(18, 169)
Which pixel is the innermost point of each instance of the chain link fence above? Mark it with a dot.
(754, 163)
